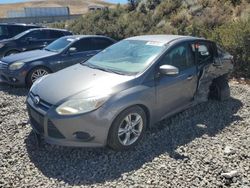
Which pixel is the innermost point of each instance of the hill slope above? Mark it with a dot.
(76, 6)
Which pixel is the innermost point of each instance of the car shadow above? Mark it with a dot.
(13, 90)
(81, 166)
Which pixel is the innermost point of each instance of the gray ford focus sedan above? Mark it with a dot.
(112, 98)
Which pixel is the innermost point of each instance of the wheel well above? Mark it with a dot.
(39, 66)
(146, 110)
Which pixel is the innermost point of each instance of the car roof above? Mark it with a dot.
(64, 30)
(86, 36)
(166, 39)
(20, 24)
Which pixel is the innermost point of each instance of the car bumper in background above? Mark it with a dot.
(14, 78)
(86, 130)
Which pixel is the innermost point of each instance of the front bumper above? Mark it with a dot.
(13, 77)
(86, 130)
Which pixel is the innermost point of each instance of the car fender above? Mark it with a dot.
(142, 95)
(34, 64)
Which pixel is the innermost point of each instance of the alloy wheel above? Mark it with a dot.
(130, 129)
(37, 74)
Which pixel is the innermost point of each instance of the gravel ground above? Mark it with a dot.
(206, 146)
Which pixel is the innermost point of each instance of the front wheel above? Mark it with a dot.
(127, 129)
(36, 73)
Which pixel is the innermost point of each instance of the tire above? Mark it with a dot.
(220, 89)
(35, 72)
(12, 52)
(136, 131)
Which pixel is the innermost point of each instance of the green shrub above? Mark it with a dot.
(235, 38)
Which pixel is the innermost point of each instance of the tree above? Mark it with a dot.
(132, 4)
(152, 4)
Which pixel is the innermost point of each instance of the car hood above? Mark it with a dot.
(77, 81)
(7, 40)
(28, 56)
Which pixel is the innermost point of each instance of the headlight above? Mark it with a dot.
(79, 106)
(1, 45)
(16, 65)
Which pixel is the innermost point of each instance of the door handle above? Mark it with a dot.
(190, 77)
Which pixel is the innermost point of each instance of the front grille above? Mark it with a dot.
(3, 65)
(53, 131)
(42, 104)
(36, 120)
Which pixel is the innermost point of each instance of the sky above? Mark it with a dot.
(15, 1)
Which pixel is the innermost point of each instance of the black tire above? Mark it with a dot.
(11, 53)
(220, 89)
(29, 78)
(113, 138)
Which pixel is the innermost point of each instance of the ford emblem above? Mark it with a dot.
(36, 100)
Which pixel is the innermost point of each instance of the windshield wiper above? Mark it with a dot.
(103, 69)
(50, 50)
(116, 72)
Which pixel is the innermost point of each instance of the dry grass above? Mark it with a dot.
(76, 6)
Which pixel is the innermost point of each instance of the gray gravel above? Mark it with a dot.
(206, 146)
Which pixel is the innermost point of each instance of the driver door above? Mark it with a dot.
(176, 92)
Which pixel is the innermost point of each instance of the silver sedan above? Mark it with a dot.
(112, 98)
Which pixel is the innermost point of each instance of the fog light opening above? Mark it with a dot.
(83, 136)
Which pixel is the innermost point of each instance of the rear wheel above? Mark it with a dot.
(36, 73)
(220, 89)
(127, 129)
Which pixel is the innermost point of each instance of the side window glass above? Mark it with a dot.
(101, 43)
(55, 34)
(33, 35)
(205, 54)
(14, 30)
(82, 45)
(4, 31)
(181, 57)
(37, 35)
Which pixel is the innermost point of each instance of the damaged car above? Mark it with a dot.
(112, 98)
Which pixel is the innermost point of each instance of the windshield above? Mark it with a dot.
(60, 44)
(127, 56)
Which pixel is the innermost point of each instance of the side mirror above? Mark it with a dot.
(217, 62)
(72, 50)
(169, 70)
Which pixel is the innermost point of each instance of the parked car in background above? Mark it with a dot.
(113, 97)
(25, 68)
(9, 30)
(30, 40)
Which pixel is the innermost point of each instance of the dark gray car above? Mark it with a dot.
(25, 68)
(116, 95)
(31, 39)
